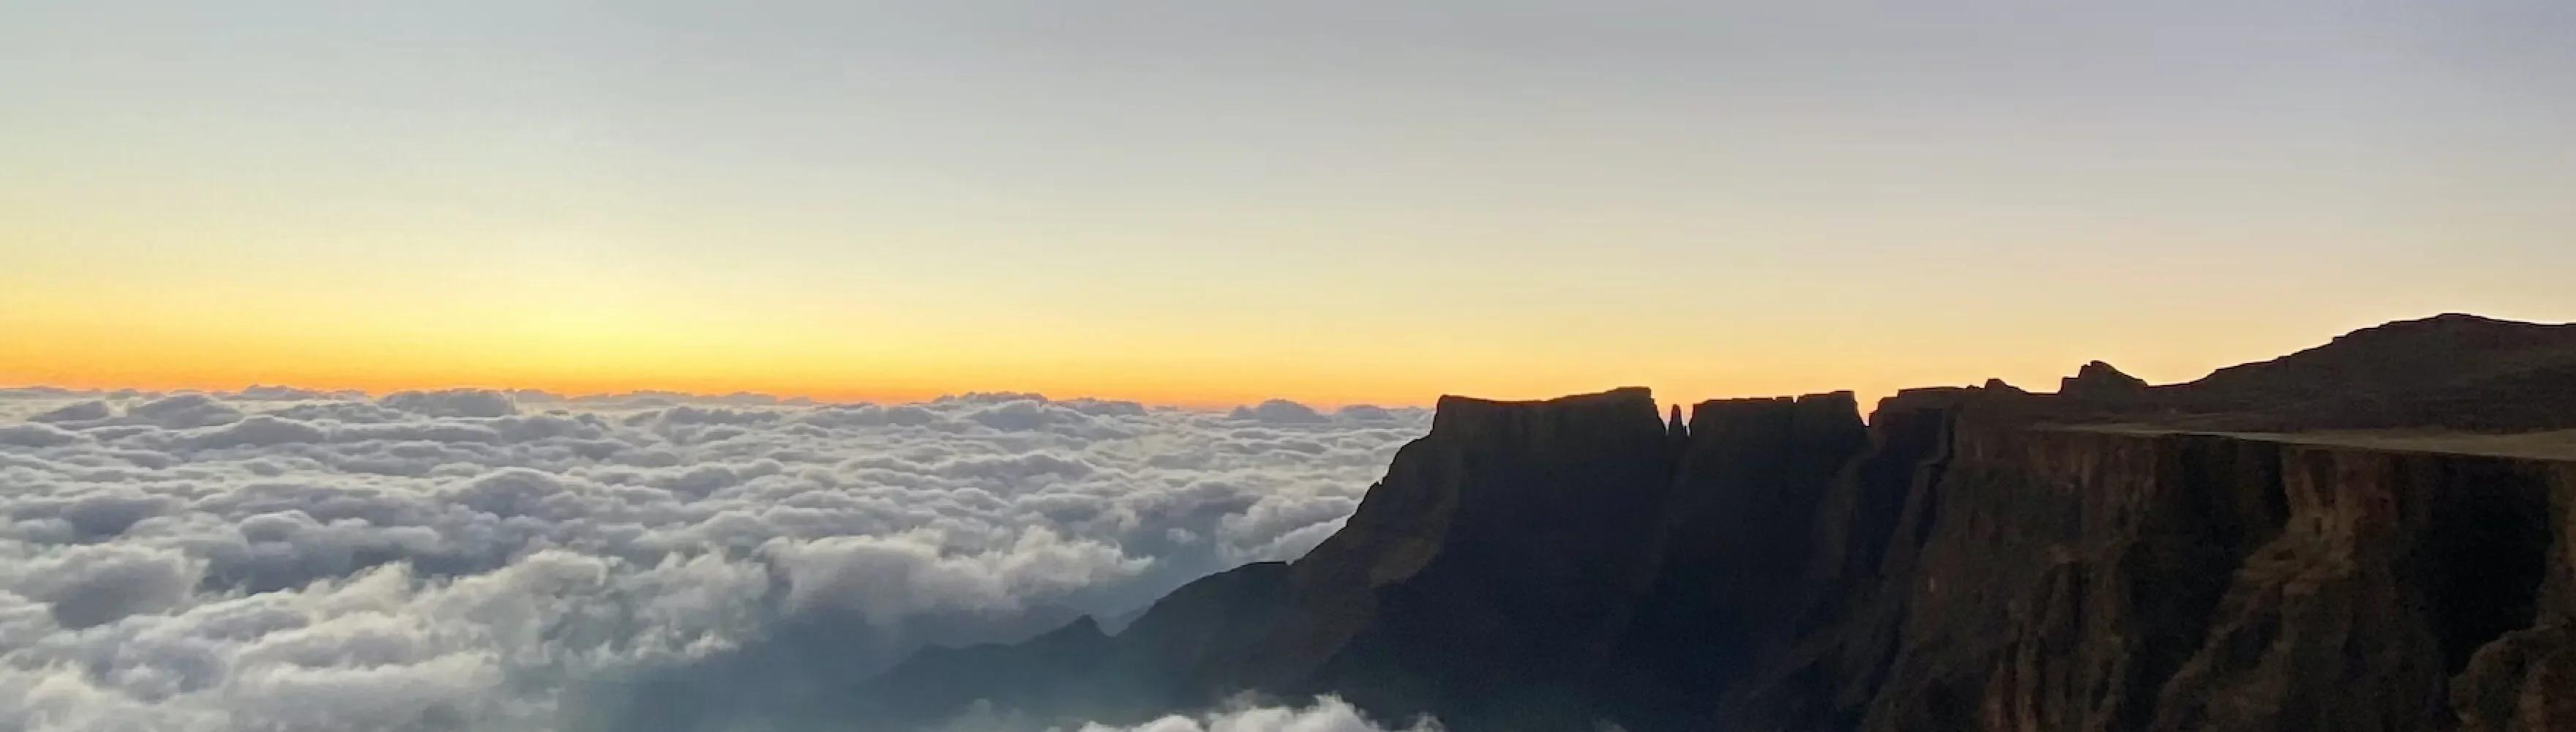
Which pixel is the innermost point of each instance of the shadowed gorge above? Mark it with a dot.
(2105, 558)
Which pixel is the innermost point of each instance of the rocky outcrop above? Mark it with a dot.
(2098, 381)
(1972, 558)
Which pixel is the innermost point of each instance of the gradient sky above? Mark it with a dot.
(1210, 202)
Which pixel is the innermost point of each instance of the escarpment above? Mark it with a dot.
(2095, 579)
(1492, 569)
(2121, 557)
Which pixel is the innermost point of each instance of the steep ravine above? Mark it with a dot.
(1972, 559)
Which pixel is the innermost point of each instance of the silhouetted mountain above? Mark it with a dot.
(1972, 558)
(2458, 371)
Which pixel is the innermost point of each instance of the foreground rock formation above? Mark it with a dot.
(2116, 557)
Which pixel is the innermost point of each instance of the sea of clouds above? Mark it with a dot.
(285, 560)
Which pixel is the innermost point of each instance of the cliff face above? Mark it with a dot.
(1491, 570)
(1752, 477)
(1976, 558)
(2088, 579)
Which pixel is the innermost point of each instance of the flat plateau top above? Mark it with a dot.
(2557, 445)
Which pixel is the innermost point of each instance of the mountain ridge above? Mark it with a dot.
(1970, 558)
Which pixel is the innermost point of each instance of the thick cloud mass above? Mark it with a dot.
(288, 560)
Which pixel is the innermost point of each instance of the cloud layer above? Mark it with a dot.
(287, 560)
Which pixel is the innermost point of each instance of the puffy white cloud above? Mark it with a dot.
(87, 585)
(282, 559)
(35, 434)
(182, 411)
(259, 431)
(81, 411)
(1327, 714)
(889, 578)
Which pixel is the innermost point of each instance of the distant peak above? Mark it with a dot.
(2103, 370)
(2446, 323)
(2100, 379)
(2455, 318)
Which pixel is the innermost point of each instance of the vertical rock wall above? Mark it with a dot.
(2093, 579)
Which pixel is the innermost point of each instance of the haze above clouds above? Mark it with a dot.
(286, 560)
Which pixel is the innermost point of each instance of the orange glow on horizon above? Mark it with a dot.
(576, 335)
(169, 361)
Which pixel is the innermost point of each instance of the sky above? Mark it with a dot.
(1204, 203)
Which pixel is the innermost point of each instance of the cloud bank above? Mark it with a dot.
(287, 560)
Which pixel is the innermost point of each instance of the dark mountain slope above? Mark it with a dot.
(2449, 371)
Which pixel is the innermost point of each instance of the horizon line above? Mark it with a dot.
(772, 398)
